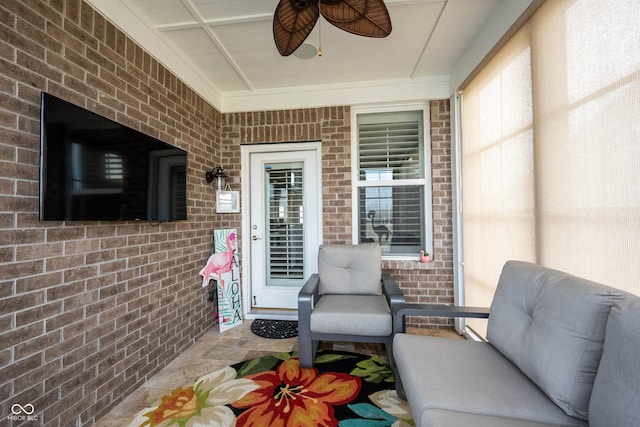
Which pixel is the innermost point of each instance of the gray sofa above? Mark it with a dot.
(561, 351)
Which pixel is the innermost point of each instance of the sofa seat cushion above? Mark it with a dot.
(350, 269)
(352, 315)
(551, 325)
(615, 399)
(445, 418)
(472, 377)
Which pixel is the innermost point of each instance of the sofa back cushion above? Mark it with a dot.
(350, 269)
(551, 325)
(615, 400)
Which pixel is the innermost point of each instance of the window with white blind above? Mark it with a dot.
(392, 192)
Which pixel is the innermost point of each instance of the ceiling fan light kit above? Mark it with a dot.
(307, 51)
(293, 20)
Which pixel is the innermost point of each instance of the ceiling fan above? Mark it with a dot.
(293, 20)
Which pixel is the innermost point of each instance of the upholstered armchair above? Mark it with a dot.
(349, 299)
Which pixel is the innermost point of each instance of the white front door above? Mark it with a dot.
(284, 222)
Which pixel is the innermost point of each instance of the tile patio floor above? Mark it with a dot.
(215, 350)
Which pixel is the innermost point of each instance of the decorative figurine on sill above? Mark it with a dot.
(425, 257)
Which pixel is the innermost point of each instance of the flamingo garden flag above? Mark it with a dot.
(223, 267)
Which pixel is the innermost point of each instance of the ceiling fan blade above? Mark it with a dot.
(368, 18)
(292, 23)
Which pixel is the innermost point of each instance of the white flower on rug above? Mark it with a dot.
(388, 401)
(202, 404)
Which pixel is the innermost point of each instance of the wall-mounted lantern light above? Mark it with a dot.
(218, 176)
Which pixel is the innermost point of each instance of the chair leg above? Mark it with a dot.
(396, 375)
(308, 355)
(392, 363)
(306, 348)
(399, 388)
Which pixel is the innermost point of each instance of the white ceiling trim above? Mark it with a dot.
(385, 91)
(426, 44)
(228, 57)
(215, 22)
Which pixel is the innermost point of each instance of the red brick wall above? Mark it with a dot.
(423, 283)
(89, 310)
(330, 125)
(433, 282)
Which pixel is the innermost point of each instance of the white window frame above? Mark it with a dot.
(426, 181)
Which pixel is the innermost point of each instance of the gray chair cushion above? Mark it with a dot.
(352, 315)
(615, 400)
(466, 376)
(350, 269)
(551, 325)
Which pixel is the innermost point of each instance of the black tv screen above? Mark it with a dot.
(92, 168)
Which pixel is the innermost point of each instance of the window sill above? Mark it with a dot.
(405, 264)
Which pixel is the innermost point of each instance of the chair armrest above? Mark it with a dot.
(434, 310)
(310, 288)
(392, 291)
(307, 296)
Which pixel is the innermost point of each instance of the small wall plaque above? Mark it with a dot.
(227, 201)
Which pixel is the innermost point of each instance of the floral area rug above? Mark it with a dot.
(343, 389)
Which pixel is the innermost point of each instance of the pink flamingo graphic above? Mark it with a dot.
(220, 262)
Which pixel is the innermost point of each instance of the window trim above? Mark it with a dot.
(426, 181)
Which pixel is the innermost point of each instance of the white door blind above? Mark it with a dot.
(285, 221)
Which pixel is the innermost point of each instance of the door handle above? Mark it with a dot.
(254, 237)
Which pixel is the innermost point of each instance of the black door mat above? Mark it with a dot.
(275, 329)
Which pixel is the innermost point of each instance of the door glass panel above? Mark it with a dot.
(285, 219)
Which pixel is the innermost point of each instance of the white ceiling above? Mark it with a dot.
(224, 49)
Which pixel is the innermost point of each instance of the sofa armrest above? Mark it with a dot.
(434, 310)
(392, 291)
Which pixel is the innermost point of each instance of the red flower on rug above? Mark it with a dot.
(293, 396)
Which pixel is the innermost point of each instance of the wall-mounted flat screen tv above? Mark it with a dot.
(92, 168)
